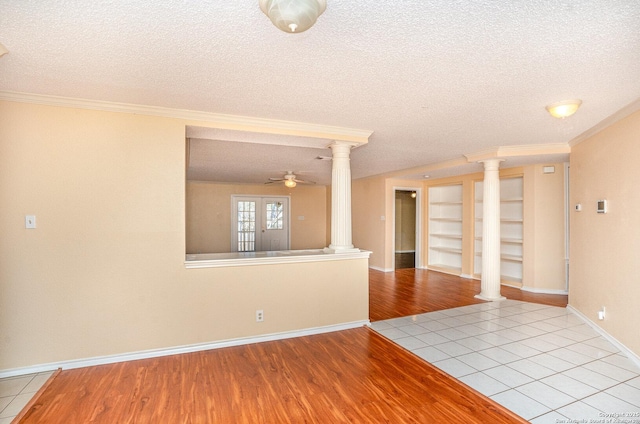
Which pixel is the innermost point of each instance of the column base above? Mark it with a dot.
(335, 249)
(490, 299)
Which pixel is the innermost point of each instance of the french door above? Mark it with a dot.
(259, 223)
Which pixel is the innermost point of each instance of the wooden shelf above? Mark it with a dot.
(511, 200)
(447, 236)
(504, 257)
(509, 220)
(512, 224)
(446, 249)
(445, 228)
(504, 240)
(512, 258)
(446, 203)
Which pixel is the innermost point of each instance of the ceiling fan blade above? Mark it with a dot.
(303, 181)
(276, 179)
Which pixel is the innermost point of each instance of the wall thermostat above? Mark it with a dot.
(602, 206)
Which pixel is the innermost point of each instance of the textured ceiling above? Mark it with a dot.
(433, 79)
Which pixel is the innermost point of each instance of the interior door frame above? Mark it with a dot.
(418, 254)
(258, 198)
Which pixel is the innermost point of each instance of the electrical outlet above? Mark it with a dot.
(602, 313)
(259, 315)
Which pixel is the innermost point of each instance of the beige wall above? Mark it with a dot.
(367, 208)
(103, 273)
(604, 247)
(209, 214)
(544, 229)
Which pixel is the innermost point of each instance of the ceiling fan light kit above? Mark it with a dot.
(293, 16)
(289, 180)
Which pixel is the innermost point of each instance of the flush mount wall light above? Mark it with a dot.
(293, 16)
(564, 108)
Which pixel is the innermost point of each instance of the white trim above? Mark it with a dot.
(625, 350)
(377, 268)
(629, 109)
(543, 291)
(567, 224)
(418, 225)
(154, 353)
(218, 260)
(217, 120)
(519, 150)
(467, 276)
(405, 251)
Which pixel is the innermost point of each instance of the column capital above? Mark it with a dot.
(493, 163)
(350, 144)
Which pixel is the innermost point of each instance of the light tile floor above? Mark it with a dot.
(16, 392)
(542, 362)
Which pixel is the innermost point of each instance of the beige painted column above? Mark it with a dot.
(341, 199)
(490, 282)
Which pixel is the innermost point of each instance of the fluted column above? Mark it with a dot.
(490, 282)
(341, 198)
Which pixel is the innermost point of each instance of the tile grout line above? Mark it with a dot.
(397, 323)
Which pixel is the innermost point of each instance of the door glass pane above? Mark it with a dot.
(275, 216)
(246, 226)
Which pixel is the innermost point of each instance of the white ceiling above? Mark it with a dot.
(433, 79)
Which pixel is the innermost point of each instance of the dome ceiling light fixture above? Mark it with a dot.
(293, 16)
(564, 109)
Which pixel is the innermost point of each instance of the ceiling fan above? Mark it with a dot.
(289, 180)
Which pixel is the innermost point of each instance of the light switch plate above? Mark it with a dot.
(29, 221)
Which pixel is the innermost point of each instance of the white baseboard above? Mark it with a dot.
(467, 276)
(154, 353)
(625, 350)
(543, 291)
(376, 268)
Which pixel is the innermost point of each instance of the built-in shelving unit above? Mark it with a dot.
(445, 228)
(511, 229)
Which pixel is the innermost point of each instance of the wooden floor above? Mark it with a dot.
(415, 291)
(348, 376)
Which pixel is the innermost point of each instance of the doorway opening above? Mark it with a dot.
(406, 217)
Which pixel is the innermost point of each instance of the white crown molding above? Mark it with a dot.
(216, 120)
(155, 353)
(516, 151)
(607, 122)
